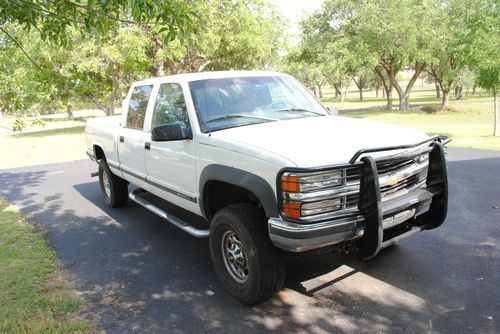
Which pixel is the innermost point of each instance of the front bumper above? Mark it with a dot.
(377, 224)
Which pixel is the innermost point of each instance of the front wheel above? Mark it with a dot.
(248, 265)
(114, 189)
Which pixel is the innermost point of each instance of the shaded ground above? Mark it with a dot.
(145, 276)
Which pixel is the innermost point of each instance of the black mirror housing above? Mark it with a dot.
(171, 132)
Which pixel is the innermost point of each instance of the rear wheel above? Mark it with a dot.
(114, 189)
(248, 265)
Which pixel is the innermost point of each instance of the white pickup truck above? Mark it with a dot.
(270, 170)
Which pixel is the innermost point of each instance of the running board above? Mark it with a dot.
(135, 196)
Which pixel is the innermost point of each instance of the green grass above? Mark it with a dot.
(34, 297)
(60, 140)
(469, 121)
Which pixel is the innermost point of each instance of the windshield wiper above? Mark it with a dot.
(238, 116)
(298, 110)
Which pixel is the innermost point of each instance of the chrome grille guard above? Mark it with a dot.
(374, 210)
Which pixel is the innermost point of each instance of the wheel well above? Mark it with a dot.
(218, 194)
(99, 153)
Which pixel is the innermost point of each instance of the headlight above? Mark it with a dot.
(311, 195)
(305, 183)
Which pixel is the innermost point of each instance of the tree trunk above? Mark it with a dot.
(446, 99)
(383, 93)
(313, 87)
(346, 90)
(320, 91)
(115, 89)
(158, 66)
(387, 88)
(337, 91)
(473, 89)
(495, 108)
(376, 92)
(69, 110)
(404, 95)
(438, 89)
(359, 84)
(98, 103)
(458, 93)
(389, 98)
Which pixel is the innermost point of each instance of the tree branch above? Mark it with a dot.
(21, 48)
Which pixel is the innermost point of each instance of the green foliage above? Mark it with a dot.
(100, 67)
(55, 19)
(19, 125)
(481, 40)
(38, 122)
(225, 35)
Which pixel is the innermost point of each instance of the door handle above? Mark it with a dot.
(147, 145)
(122, 139)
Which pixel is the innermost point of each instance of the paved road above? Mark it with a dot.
(144, 276)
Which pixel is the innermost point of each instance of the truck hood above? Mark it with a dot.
(317, 141)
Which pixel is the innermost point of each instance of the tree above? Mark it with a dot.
(324, 45)
(481, 42)
(397, 33)
(100, 67)
(225, 34)
(96, 22)
(311, 74)
(24, 87)
(104, 69)
(54, 19)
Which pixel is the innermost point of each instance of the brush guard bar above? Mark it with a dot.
(373, 212)
(375, 237)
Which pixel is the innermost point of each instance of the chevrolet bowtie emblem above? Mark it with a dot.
(394, 179)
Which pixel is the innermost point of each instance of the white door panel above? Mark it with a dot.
(171, 165)
(132, 136)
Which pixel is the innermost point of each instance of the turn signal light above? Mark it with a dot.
(290, 184)
(291, 210)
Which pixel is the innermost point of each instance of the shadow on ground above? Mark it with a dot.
(142, 275)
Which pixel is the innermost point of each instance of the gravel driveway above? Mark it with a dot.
(144, 276)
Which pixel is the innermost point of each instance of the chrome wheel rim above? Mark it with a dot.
(235, 258)
(106, 183)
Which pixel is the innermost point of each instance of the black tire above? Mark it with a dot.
(118, 188)
(264, 265)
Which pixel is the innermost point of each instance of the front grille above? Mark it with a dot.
(403, 184)
(387, 168)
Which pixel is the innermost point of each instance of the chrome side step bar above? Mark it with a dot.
(135, 196)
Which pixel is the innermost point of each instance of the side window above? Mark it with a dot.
(137, 106)
(170, 106)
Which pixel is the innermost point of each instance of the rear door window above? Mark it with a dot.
(137, 106)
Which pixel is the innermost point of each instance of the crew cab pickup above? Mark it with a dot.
(268, 168)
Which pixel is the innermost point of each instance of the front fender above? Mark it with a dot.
(241, 178)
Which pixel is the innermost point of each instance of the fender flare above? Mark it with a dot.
(241, 178)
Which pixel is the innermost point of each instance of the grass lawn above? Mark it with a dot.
(61, 140)
(34, 297)
(470, 123)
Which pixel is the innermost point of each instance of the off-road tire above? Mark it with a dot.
(118, 187)
(266, 267)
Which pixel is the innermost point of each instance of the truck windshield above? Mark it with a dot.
(231, 102)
